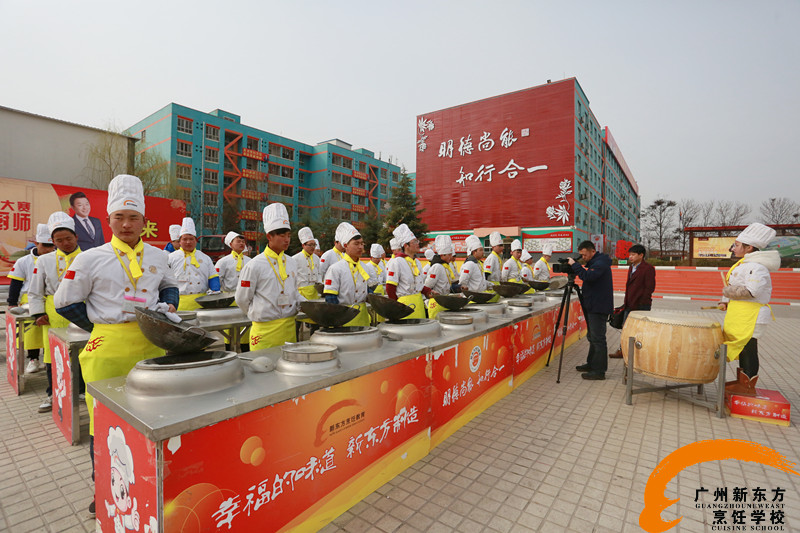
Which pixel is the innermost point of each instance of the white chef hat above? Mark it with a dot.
(175, 232)
(376, 250)
(403, 235)
(495, 239)
(516, 245)
(472, 243)
(444, 244)
(757, 235)
(345, 232)
(187, 227)
(125, 192)
(526, 256)
(60, 220)
(393, 245)
(43, 235)
(547, 249)
(305, 235)
(429, 253)
(230, 236)
(317, 242)
(275, 217)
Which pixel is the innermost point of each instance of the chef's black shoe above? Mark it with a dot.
(91, 510)
(594, 376)
(586, 367)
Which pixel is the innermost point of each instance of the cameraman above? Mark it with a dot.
(598, 303)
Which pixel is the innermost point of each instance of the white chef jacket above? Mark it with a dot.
(400, 273)
(377, 272)
(425, 269)
(97, 277)
(228, 276)
(439, 278)
(541, 271)
(472, 277)
(526, 273)
(23, 270)
(309, 269)
(343, 280)
(328, 259)
(492, 267)
(191, 279)
(511, 270)
(753, 273)
(48, 273)
(259, 289)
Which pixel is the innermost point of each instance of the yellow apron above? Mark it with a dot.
(740, 323)
(273, 333)
(380, 289)
(56, 321)
(433, 308)
(362, 319)
(112, 351)
(416, 302)
(33, 333)
(187, 302)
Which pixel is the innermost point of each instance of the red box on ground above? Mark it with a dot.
(768, 406)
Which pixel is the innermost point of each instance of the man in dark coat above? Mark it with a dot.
(639, 287)
(87, 228)
(598, 303)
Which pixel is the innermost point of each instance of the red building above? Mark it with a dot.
(533, 164)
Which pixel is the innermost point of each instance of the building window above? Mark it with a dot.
(281, 151)
(250, 164)
(185, 195)
(212, 133)
(210, 222)
(252, 143)
(341, 161)
(384, 189)
(183, 172)
(144, 136)
(280, 170)
(184, 149)
(227, 181)
(212, 155)
(280, 189)
(395, 177)
(251, 225)
(211, 177)
(251, 205)
(210, 199)
(362, 166)
(384, 174)
(338, 177)
(340, 196)
(184, 125)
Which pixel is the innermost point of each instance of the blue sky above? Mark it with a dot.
(701, 96)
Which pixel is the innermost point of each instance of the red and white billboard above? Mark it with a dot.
(502, 161)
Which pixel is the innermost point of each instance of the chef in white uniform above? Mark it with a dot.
(346, 281)
(376, 268)
(441, 278)
(20, 276)
(472, 277)
(395, 247)
(193, 269)
(541, 270)
(512, 267)
(404, 281)
(267, 290)
(526, 273)
(174, 238)
(309, 266)
(330, 257)
(228, 267)
(429, 253)
(318, 252)
(104, 284)
(491, 266)
(50, 270)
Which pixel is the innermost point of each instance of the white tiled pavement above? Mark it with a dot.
(549, 457)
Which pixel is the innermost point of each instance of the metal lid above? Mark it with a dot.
(455, 320)
(520, 302)
(309, 352)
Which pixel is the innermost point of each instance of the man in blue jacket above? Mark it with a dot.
(598, 303)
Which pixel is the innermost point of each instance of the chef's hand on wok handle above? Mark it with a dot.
(42, 320)
(722, 306)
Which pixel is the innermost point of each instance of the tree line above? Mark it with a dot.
(664, 221)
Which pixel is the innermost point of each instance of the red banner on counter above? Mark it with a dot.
(62, 386)
(11, 352)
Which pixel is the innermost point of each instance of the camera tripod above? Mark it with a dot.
(564, 311)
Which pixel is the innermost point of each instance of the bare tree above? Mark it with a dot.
(706, 214)
(779, 211)
(659, 222)
(730, 213)
(689, 210)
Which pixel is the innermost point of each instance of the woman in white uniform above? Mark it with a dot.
(309, 271)
(541, 270)
(404, 280)
(376, 268)
(492, 264)
(267, 290)
(746, 300)
(346, 281)
(193, 269)
(228, 267)
(472, 277)
(513, 267)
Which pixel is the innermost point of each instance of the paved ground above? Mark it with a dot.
(567, 456)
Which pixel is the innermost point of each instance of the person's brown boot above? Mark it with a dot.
(616, 355)
(745, 386)
(739, 372)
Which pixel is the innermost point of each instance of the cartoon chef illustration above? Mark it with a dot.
(123, 510)
(61, 387)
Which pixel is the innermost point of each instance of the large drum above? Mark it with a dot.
(673, 346)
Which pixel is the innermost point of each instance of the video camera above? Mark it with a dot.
(563, 266)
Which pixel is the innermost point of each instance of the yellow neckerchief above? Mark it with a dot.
(239, 260)
(134, 268)
(546, 263)
(310, 259)
(281, 260)
(378, 266)
(189, 254)
(355, 266)
(728, 275)
(498, 260)
(340, 254)
(451, 275)
(68, 259)
(412, 264)
(519, 264)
